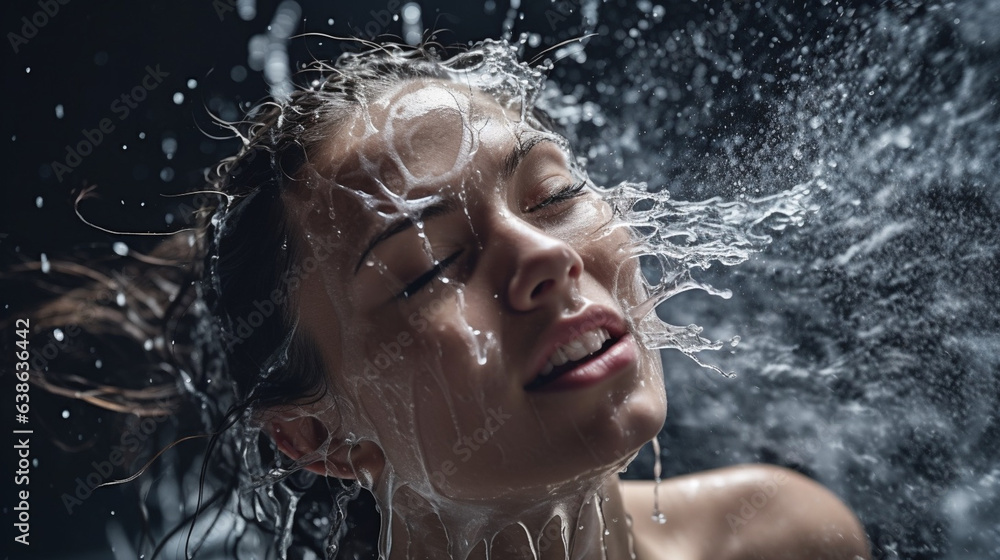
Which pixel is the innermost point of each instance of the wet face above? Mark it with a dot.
(458, 254)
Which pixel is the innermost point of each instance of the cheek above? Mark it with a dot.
(457, 354)
(608, 256)
(433, 355)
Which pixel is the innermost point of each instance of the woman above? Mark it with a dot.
(418, 290)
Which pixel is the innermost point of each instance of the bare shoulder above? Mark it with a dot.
(743, 512)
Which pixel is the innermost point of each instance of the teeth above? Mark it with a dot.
(582, 346)
(559, 357)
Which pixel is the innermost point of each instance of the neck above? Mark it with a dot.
(590, 525)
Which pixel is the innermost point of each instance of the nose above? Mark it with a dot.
(545, 268)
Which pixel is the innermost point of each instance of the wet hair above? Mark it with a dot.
(225, 349)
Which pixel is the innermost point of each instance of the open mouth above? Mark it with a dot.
(552, 372)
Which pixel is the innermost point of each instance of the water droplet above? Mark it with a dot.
(120, 299)
(98, 364)
(60, 113)
(178, 98)
(168, 145)
(39, 201)
(148, 345)
(46, 266)
(238, 73)
(65, 414)
(192, 83)
(120, 248)
(58, 335)
(411, 13)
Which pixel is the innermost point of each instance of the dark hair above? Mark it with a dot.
(210, 294)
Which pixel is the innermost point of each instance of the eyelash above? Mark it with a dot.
(413, 287)
(566, 193)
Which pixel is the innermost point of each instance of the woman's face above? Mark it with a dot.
(453, 263)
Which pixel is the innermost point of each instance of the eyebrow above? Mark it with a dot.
(445, 206)
(440, 208)
(517, 155)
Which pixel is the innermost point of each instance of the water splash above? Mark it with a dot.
(680, 237)
(869, 334)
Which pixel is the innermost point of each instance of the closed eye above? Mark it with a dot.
(413, 287)
(566, 193)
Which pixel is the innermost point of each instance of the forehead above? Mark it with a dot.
(418, 139)
(421, 134)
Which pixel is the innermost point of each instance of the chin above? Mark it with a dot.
(629, 425)
(643, 411)
(647, 415)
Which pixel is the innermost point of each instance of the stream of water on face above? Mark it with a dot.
(658, 515)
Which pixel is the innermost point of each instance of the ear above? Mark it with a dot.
(298, 434)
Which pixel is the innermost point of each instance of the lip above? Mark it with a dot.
(612, 360)
(616, 359)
